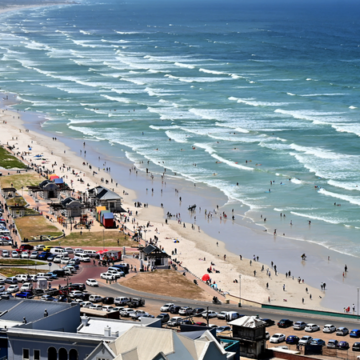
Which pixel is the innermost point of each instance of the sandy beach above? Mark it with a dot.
(195, 249)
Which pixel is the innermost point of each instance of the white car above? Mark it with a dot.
(299, 325)
(277, 338)
(92, 282)
(116, 274)
(121, 300)
(14, 254)
(329, 328)
(96, 307)
(26, 287)
(65, 260)
(34, 255)
(107, 276)
(209, 314)
(175, 321)
(126, 312)
(305, 340)
(135, 314)
(86, 304)
(221, 315)
(166, 307)
(76, 294)
(185, 310)
(12, 288)
(2, 288)
(117, 308)
(57, 259)
(78, 250)
(69, 250)
(39, 247)
(24, 255)
(107, 308)
(5, 253)
(312, 328)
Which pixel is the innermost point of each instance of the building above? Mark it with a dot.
(101, 196)
(69, 208)
(148, 343)
(49, 190)
(250, 331)
(154, 256)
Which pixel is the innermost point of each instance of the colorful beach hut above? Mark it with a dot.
(108, 220)
(99, 209)
(53, 177)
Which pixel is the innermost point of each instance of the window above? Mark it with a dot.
(63, 354)
(52, 354)
(26, 354)
(73, 354)
(36, 354)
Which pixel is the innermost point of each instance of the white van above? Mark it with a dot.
(231, 315)
(91, 253)
(58, 251)
(121, 300)
(83, 257)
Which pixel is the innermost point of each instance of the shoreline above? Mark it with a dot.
(192, 248)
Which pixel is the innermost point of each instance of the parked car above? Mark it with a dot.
(209, 314)
(24, 295)
(277, 338)
(96, 307)
(108, 300)
(107, 308)
(76, 294)
(50, 257)
(329, 328)
(166, 307)
(14, 254)
(284, 323)
(356, 346)
(221, 329)
(2, 288)
(12, 288)
(26, 287)
(164, 317)
(85, 304)
(135, 314)
(5, 253)
(299, 325)
(120, 300)
(115, 274)
(175, 309)
(318, 342)
(69, 250)
(305, 340)
(34, 255)
(221, 315)
(65, 260)
(198, 311)
(343, 345)
(292, 339)
(95, 298)
(185, 310)
(92, 282)
(126, 312)
(342, 331)
(187, 322)
(107, 276)
(11, 280)
(175, 321)
(118, 308)
(25, 247)
(312, 328)
(199, 323)
(24, 255)
(268, 322)
(355, 333)
(232, 315)
(332, 344)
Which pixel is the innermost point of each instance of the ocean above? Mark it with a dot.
(258, 101)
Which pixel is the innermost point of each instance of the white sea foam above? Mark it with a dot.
(238, 129)
(179, 138)
(296, 181)
(213, 72)
(351, 199)
(352, 107)
(117, 99)
(184, 65)
(290, 94)
(85, 32)
(345, 185)
(231, 163)
(315, 217)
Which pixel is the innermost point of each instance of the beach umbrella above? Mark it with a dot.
(206, 277)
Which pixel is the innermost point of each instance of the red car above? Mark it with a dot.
(200, 324)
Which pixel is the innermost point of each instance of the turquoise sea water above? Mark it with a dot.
(251, 94)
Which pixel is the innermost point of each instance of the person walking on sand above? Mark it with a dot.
(225, 257)
(284, 287)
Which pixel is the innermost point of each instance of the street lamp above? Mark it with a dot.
(240, 290)
(358, 303)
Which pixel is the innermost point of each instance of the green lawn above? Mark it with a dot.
(30, 226)
(17, 200)
(9, 161)
(19, 262)
(96, 239)
(21, 180)
(8, 272)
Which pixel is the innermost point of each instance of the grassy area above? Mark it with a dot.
(19, 262)
(21, 180)
(17, 200)
(9, 161)
(30, 226)
(96, 239)
(166, 282)
(8, 272)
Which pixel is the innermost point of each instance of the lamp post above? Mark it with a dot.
(103, 239)
(240, 290)
(358, 303)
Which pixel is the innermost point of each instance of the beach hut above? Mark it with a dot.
(98, 211)
(53, 177)
(108, 220)
(102, 215)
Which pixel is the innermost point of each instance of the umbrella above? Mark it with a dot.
(206, 277)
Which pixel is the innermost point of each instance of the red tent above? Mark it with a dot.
(206, 277)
